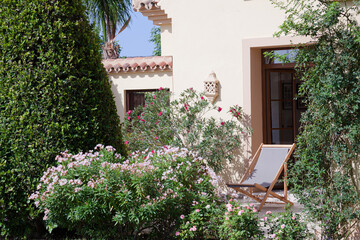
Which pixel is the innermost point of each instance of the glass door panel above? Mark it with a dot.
(282, 110)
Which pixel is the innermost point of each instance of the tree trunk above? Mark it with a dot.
(109, 50)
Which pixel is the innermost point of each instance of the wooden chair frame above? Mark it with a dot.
(268, 191)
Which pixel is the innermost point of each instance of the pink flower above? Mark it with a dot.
(153, 96)
(182, 216)
(254, 210)
(268, 212)
(145, 106)
(62, 182)
(293, 217)
(219, 109)
(128, 118)
(129, 112)
(273, 236)
(222, 123)
(282, 226)
(126, 142)
(226, 218)
(265, 218)
(197, 210)
(156, 138)
(177, 233)
(151, 103)
(160, 88)
(160, 114)
(202, 98)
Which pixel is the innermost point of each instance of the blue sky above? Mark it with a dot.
(134, 40)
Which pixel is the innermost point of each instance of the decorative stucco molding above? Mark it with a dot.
(152, 10)
(138, 64)
(212, 87)
(148, 4)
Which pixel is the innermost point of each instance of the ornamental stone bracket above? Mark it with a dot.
(152, 10)
(212, 87)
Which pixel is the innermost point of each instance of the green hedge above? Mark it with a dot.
(54, 95)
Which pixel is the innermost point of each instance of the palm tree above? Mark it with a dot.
(109, 14)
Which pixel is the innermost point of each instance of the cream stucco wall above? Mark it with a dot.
(211, 36)
(167, 42)
(208, 36)
(225, 37)
(120, 82)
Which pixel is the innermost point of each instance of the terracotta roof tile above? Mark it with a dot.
(138, 64)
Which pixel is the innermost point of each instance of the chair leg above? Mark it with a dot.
(270, 192)
(285, 181)
(248, 194)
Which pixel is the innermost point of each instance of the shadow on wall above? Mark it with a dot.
(118, 98)
(150, 75)
(233, 171)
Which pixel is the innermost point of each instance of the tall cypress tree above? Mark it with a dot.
(54, 95)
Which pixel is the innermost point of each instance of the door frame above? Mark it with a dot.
(266, 112)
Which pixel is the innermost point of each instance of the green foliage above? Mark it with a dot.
(99, 197)
(240, 222)
(107, 14)
(155, 38)
(286, 225)
(202, 222)
(54, 95)
(183, 123)
(326, 173)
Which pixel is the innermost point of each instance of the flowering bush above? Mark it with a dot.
(240, 222)
(202, 222)
(182, 123)
(286, 225)
(98, 195)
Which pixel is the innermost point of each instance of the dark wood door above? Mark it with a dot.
(282, 110)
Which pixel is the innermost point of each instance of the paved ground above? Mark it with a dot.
(296, 208)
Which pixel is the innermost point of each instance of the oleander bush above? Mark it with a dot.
(286, 225)
(240, 222)
(235, 220)
(99, 194)
(202, 222)
(185, 122)
(54, 95)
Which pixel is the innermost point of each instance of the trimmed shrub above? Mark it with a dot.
(146, 195)
(54, 95)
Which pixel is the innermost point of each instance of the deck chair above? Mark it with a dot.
(268, 163)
